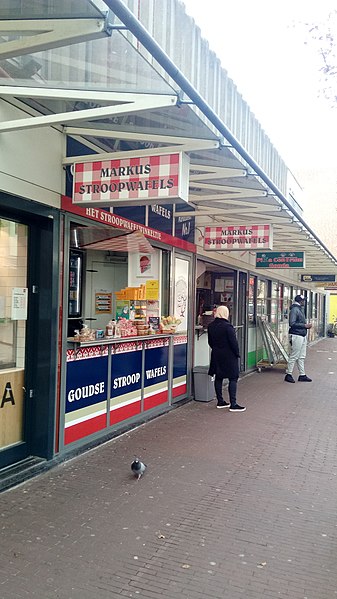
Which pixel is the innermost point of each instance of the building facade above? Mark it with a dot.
(137, 191)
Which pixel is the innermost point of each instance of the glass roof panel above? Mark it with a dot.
(51, 9)
(107, 64)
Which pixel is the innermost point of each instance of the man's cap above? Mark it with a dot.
(299, 298)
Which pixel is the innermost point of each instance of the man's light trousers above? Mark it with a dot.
(297, 354)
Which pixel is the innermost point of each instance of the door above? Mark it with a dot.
(13, 320)
(28, 336)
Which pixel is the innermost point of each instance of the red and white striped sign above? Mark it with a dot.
(132, 181)
(243, 237)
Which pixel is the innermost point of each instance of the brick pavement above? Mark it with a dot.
(231, 506)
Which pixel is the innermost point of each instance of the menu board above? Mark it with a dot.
(103, 302)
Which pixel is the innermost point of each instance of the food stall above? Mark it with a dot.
(126, 351)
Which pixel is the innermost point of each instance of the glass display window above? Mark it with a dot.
(262, 298)
(13, 293)
(286, 301)
(274, 303)
(252, 291)
(13, 320)
(118, 283)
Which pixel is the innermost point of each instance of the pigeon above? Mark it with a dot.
(138, 468)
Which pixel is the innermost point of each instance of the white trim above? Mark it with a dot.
(73, 94)
(133, 153)
(215, 172)
(174, 386)
(124, 403)
(156, 392)
(48, 33)
(84, 418)
(90, 114)
(131, 135)
(236, 191)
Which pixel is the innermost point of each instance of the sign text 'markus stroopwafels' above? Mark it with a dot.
(132, 181)
(241, 237)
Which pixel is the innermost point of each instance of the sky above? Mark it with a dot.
(261, 44)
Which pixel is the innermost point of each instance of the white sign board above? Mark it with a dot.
(19, 303)
(130, 181)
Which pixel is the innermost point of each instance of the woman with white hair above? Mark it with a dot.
(225, 356)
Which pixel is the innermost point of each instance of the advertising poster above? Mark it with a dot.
(181, 292)
(144, 265)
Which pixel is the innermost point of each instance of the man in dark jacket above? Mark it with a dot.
(225, 356)
(298, 329)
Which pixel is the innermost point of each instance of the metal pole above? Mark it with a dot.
(150, 44)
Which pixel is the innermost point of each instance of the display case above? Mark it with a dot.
(75, 284)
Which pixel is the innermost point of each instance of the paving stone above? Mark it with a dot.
(232, 506)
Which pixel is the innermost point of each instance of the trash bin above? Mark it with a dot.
(203, 384)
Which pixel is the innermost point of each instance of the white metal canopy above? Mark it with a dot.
(108, 107)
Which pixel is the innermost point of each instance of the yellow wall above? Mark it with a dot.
(332, 308)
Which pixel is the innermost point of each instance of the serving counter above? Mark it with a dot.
(109, 381)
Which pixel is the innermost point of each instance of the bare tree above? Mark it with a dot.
(324, 36)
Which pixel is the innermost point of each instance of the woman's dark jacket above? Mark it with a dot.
(225, 349)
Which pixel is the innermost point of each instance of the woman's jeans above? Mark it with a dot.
(231, 390)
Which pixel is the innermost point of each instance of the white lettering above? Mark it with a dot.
(154, 372)
(125, 381)
(84, 392)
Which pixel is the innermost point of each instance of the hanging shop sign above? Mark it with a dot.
(330, 287)
(116, 221)
(318, 278)
(280, 260)
(129, 181)
(245, 237)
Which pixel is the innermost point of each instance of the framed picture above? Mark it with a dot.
(144, 265)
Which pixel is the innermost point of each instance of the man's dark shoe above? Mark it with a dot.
(237, 408)
(222, 404)
(304, 378)
(289, 378)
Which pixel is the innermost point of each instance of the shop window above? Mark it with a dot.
(280, 301)
(310, 306)
(165, 288)
(223, 286)
(181, 291)
(286, 301)
(252, 290)
(274, 300)
(13, 318)
(116, 285)
(13, 294)
(315, 305)
(261, 298)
